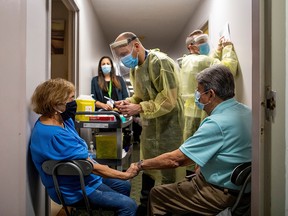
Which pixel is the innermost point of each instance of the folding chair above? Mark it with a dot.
(79, 168)
(241, 176)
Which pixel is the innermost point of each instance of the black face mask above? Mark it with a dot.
(70, 111)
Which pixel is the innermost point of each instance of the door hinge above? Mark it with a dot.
(270, 108)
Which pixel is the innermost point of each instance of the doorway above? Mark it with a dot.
(64, 40)
(64, 52)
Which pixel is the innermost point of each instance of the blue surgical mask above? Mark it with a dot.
(204, 49)
(106, 69)
(129, 61)
(197, 96)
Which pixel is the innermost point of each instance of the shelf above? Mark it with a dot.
(117, 123)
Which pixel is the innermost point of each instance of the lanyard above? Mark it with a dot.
(110, 88)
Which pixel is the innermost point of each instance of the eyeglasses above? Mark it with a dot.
(198, 94)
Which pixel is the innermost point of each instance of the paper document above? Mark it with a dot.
(225, 32)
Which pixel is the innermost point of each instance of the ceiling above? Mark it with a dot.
(157, 23)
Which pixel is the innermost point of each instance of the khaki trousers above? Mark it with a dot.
(192, 196)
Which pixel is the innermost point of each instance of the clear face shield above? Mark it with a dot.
(120, 51)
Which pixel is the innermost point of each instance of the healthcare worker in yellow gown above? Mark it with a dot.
(197, 60)
(157, 99)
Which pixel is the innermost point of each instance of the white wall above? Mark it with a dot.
(22, 65)
(93, 45)
(218, 13)
(37, 67)
(13, 113)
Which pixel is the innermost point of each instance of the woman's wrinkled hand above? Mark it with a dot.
(132, 171)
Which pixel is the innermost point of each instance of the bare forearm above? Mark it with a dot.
(107, 172)
(165, 161)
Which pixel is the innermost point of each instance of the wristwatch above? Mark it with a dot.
(139, 165)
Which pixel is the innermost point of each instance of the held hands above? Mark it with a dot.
(132, 171)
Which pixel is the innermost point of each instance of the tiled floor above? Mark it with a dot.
(135, 190)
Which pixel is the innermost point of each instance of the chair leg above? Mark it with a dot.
(66, 211)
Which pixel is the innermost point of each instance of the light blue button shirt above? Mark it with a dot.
(222, 141)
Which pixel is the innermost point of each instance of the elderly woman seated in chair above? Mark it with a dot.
(54, 138)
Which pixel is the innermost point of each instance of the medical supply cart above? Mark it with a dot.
(110, 133)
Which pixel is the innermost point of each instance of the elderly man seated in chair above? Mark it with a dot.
(222, 142)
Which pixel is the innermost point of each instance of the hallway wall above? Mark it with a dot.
(37, 66)
(217, 13)
(24, 63)
(93, 45)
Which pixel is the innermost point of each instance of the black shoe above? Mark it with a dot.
(141, 210)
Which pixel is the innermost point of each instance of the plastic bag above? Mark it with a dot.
(225, 212)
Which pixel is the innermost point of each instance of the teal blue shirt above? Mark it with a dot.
(57, 143)
(222, 141)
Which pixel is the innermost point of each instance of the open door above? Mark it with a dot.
(64, 40)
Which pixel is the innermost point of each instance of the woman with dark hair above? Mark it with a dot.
(107, 84)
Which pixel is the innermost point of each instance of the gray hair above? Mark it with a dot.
(220, 79)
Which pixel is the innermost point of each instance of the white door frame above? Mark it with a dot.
(259, 192)
(269, 146)
(73, 42)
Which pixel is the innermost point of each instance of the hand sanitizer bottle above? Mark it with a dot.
(92, 152)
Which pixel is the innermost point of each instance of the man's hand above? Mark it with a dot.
(132, 171)
(128, 109)
(222, 43)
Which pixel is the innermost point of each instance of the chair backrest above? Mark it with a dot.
(65, 168)
(241, 175)
(79, 168)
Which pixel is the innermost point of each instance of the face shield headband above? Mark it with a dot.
(121, 43)
(202, 38)
(120, 49)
